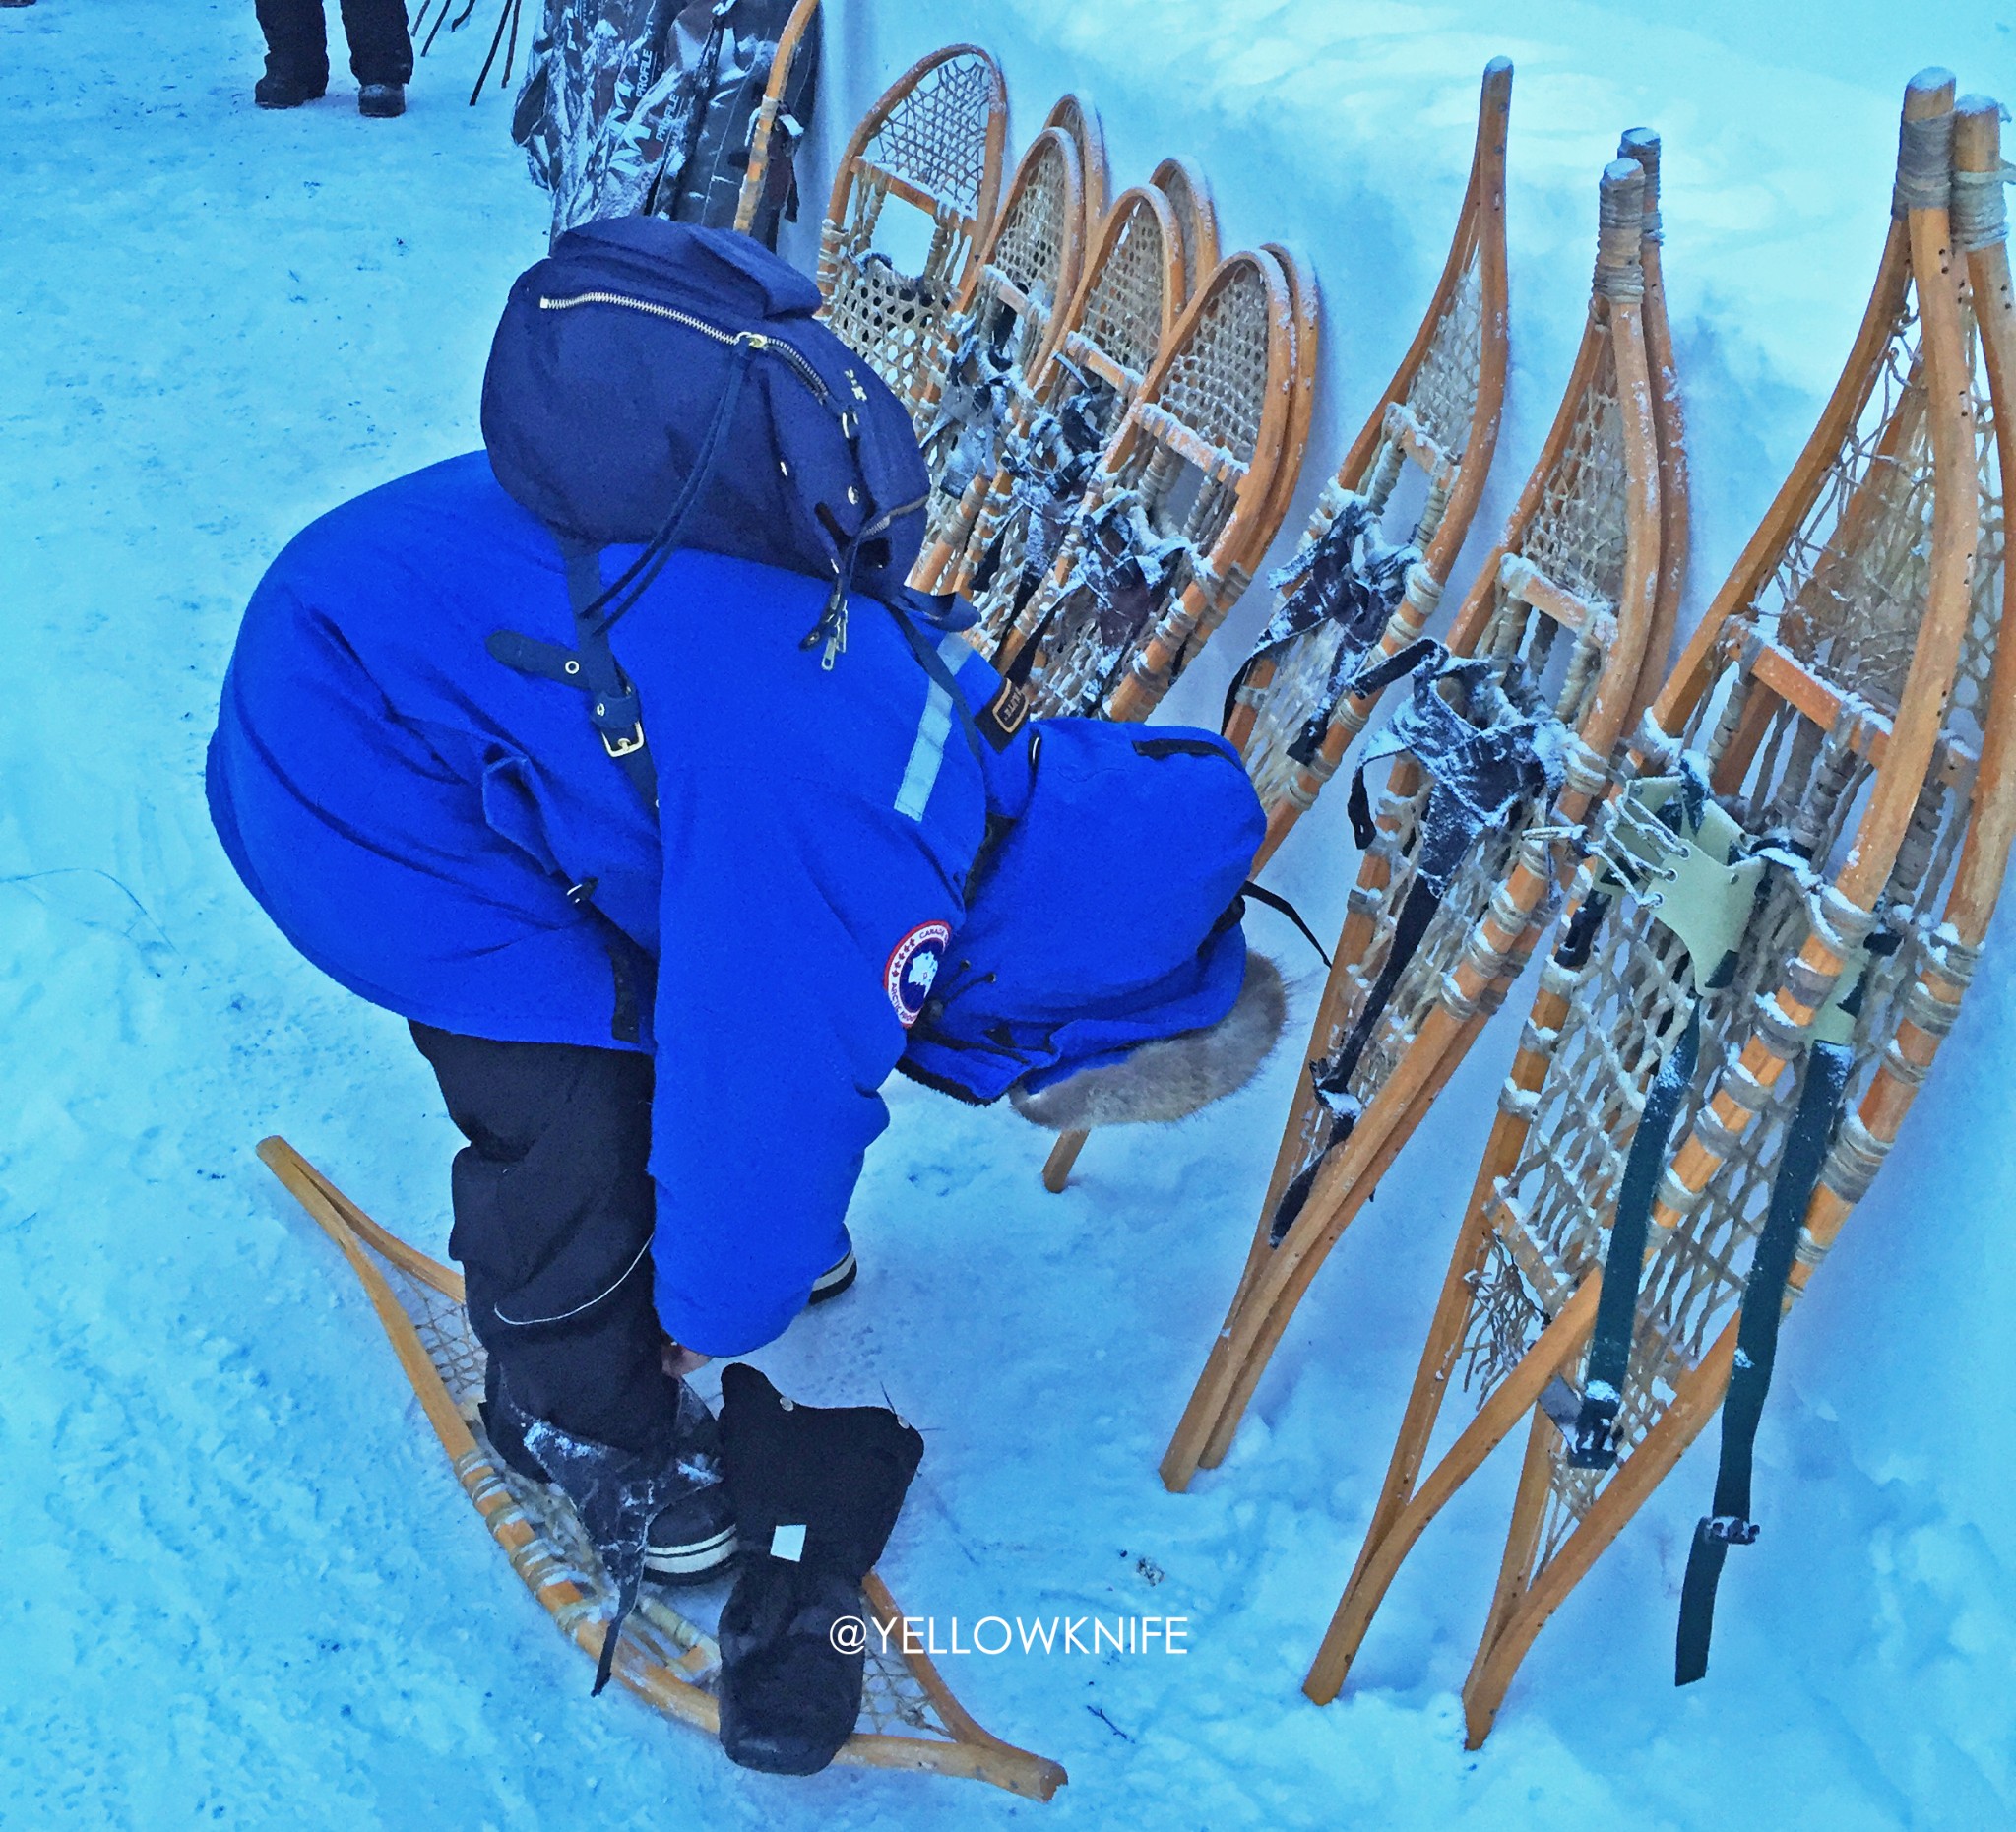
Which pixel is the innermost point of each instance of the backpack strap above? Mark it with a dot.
(591, 666)
(591, 669)
(1273, 900)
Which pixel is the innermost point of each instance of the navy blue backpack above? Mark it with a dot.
(663, 384)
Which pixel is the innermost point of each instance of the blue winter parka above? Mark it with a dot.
(447, 837)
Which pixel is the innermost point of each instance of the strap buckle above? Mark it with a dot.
(624, 744)
(1729, 1529)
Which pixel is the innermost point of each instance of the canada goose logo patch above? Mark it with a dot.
(912, 970)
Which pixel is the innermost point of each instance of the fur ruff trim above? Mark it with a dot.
(1172, 1077)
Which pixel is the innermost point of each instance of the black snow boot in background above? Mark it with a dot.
(283, 89)
(816, 1490)
(297, 50)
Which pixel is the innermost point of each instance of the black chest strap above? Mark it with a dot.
(589, 667)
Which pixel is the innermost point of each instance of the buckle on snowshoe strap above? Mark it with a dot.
(1729, 1529)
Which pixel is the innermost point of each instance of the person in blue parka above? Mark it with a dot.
(661, 1018)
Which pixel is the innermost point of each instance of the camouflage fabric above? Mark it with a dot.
(636, 106)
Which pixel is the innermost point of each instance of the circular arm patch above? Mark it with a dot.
(912, 969)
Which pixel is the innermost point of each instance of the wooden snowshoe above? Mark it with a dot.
(910, 1718)
(1851, 714)
(1554, 631)
(1440, 414)
(1183, 183)
(1000, 332)
(924, 165)
(1186, 500)
(1067, 414)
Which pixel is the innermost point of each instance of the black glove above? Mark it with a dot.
(816, 1490)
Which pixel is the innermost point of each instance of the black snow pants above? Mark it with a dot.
(553, 1216)
(297, 44)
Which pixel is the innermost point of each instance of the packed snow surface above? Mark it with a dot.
(243, 1588)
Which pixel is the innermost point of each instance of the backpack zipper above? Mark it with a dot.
(832, 626)
(756, 340)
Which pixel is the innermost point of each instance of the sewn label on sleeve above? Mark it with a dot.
(912, 969)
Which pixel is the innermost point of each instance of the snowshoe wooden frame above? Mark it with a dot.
(1195, 468)
(1010, 316)
(763, 129)
(1080, 123)
(1883, 515)
(1136, 282)
(1580, 554)
(662, 1656)
(1183, 183)
(1127, 303)
(1308, 298)
(934, 143)
(1442, 412)
(1669, 423)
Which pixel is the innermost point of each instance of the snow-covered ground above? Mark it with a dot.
(242, 1589)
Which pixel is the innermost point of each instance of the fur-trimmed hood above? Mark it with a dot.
(1172, 1077)
(1104, 920)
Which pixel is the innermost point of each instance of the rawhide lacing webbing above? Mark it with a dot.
(1442, 396)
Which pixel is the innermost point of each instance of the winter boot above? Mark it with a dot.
(692, 1537)
(287, 89)
(836, 1279)
(664, 1517)
(382, 101)
(816, 1490)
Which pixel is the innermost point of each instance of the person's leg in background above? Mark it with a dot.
(297, 53)
(381, 54)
